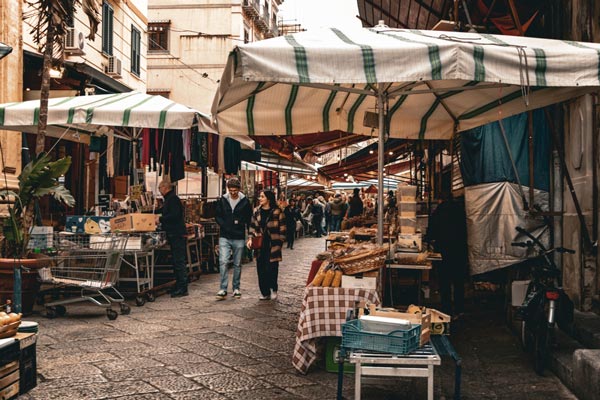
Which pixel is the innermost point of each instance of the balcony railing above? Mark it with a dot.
(251, 8)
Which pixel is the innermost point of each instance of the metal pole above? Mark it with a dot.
(380, 164)
(17, 295)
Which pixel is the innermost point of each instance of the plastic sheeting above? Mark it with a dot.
(493, 211)
(484, 158)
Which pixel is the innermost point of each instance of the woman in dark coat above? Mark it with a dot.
(268, 220)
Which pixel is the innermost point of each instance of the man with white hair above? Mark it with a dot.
(172, 221)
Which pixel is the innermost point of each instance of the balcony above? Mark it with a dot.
(251, 8)
(262, 22)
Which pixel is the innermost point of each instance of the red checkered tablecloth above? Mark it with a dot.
(323, 312)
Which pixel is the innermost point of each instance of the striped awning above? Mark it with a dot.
(4, 50)
(86, 113)
(435, 82)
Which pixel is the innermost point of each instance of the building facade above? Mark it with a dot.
(189, 41)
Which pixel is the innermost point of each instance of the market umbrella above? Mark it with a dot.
(416, 84)
(86, 113)
(4, 50)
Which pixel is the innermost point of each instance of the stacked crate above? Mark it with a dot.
(406, 197)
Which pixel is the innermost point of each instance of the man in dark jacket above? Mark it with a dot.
(233, 216)
(173, 224)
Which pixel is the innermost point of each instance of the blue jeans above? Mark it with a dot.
(336, 222)
(227, 248)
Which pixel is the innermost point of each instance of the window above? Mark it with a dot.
(158, 36)
(136, 38)
(107, 28)
(246, 36)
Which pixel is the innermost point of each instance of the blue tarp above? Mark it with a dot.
(484, 158)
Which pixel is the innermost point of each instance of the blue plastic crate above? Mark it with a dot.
(395, 342)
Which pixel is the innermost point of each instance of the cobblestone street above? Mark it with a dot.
(199, 348)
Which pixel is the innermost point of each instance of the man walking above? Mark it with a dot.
(173, 224)
(233, 216)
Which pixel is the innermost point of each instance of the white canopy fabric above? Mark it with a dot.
(86, 113)
(435, 82)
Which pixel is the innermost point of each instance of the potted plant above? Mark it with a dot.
(39, 178)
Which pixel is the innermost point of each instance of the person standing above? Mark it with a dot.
(338, 209)
(292, 214)
(233, 216)
(317, 211)
(172, 221)
(268, 222)
(448, 231)
(355, 206)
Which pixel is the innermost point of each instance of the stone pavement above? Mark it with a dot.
(199, 348)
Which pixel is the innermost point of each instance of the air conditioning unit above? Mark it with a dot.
(74, 42)
(113, 68)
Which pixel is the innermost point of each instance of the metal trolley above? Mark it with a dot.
(138, 256)
(89, 264)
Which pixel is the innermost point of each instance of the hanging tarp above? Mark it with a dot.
(494, 210)
(484, 157)
(435, 82)
(86, 113)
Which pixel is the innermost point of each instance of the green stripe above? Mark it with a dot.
(425, 118)
(581, 46)
(3, 112)
(163, 116)
(396, 106)
(540, 67)
(301, 59)
(250, 109)
(479, 67)
(367, 55)
(89, 113)
(353, 109)
(487, 107)
(434, 53)
(327, 108)
(127, 112)
(36, 116)
(288, 110)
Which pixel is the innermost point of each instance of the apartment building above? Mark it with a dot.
(189, 41)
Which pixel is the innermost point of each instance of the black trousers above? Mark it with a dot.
(452, 272)
(177, 244)
(268, 272)
(290, 234)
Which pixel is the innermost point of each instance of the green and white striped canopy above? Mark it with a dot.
(86, 113)
(435, 82)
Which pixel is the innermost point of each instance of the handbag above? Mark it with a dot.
(256, 242)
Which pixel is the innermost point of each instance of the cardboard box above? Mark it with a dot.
(94, 225)
(359, 282)
(133, 223)
(409, 242)
(423, 319)
(75, 223)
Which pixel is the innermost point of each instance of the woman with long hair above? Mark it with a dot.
(268, 221)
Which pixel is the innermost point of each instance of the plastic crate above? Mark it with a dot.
(395, 342)
(210, 228)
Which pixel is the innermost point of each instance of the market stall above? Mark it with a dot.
(110, 117)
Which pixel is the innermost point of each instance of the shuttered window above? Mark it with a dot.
(136, 38)
(158, 36)
(107, 28)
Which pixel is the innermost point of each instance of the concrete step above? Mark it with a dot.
(577, 366)
(586, 329)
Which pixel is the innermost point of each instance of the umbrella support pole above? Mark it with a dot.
(380, 162)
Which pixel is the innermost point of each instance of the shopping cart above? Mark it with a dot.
(90, 265)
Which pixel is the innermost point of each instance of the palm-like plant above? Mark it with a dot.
(50, 24)
(38, 178)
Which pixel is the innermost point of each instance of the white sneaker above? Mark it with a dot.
(273, 295)
(261, 297)
(237, 294)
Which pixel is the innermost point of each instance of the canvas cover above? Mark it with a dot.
(493, 211)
